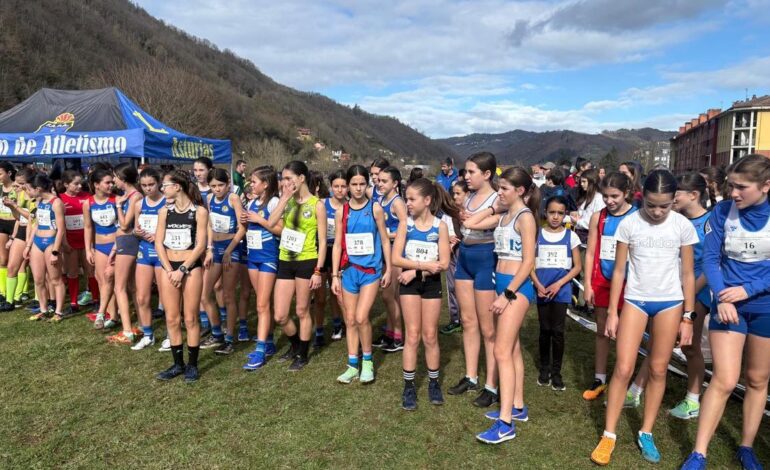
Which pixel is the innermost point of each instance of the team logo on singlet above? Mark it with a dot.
(432, 237)
(707, 227)
(307, 213)
(225, 208)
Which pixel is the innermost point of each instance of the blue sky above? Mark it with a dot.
(449, 67)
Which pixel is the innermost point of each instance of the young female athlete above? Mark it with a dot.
(658, 244)
(422, 250)
(180, 242)
(360, 246)
(589, 201)
(475, 283)
(44, 245)
(599, 266)
(73, 197)
(634, 171)
(336, 201)
(201, 168)
(222, 259)
(389, 185)
(317, 185)
(301, 257)
(148, 265)
(7, 224)
(262, 243)
(100, 216)
(459, 196)
(515, 245)
(373, 191)
(22, 209)
(715, 181)
(558, 262)
(736, 260)
(126, 248)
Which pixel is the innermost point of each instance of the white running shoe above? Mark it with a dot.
(165, 345)
(143, 343)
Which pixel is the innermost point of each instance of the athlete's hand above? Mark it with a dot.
(385, 280)
(54, 260)
(733, 294)
(453, 241)
(25, 253)
(407, 276)
(336, 286)
(209, 258)
(540, 290)
(89, 256)
(552, 290)
(499, 305)
(588, 295)
(227, 260)
(685, 333)
(289, 189)
(315, 281)
(111, 257)
(611, 325)
(432, 267)
(727, 313)
(8, 244)
(463, 216)
(175, 277)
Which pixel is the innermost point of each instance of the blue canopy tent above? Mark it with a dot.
(53, 124)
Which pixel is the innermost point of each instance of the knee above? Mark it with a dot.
(412, 339)
(362, 320)
(302, 312)
(623, 372)
(263, 308)
(429, 338)
(143, 299)
(228, 296)
(503, 355)
(173, 321)
(755, 380)
(488, 333)
(658, 370)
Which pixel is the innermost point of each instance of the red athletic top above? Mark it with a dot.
(73, 216)
(597, 277)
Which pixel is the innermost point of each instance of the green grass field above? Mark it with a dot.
(70, 400)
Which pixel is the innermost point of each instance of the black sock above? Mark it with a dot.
(304, 346)
(294, 340)
(177, 352)
(507, 423)
(192, 355)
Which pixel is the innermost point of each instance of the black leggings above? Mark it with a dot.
(551, 316)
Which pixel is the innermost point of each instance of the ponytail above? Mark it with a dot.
(519, 178)
(191, 190)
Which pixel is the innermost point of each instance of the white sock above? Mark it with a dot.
(636, 390)
(491, 388)
(693, 397)
(474, 380)
(610, 435)
(602, 377)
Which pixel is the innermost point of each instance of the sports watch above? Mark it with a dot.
(689, 316)
(510, 295)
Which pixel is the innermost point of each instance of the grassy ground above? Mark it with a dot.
(69, 399)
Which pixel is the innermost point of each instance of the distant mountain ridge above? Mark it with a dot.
(527, 147)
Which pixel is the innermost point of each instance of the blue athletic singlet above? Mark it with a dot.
(391, 219)
(222, 215)
(261, 244)
(362, 238)
(104, 216)
(553, 262)
(421, 246)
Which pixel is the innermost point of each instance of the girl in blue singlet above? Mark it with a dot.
(360, 266)
(201, 168)
(222, 259)
(148, 267)
(100, 217)
(262, 252)
(394, 209)
(44, 244)
(422, 250)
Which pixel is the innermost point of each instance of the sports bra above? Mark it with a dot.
(508, 245)
(181, 228)
(46, 220)
(478, 235)
(104, 216)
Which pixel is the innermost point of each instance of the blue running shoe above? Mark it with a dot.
(516, 414)
(695, 461)
(409, 398)
(498, 433)
(256, 360)
(34, 307)
(243, 335)
(270, 349)
(747, 458)
(647, 445)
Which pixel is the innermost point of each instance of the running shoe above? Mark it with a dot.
(225, 349)
(685, 409)
(298, 363)
(121, 338)
(159, 313)
(24, 298)
(557, 384)
(165, 345)
(110, 324)
(170, 373)
(270, 349)
(603, 451)
(212, 342)
(382, 341)
(647, 446)
(596, 390)
(191, 374)
(517, 414)
(695, 461)
(434, 393)
(632, 401)
(318, 342)
(451, 327)
(41, 316)
(256, 360)
(243, 335)
(289, 354)
(393, 346)
(34, 307)
(6, 306)
(144, 342)
(498, 433)
(486, 399)
(57, 318)
(18, 303)
(350, 374)
(747, 458)
(338, 333)
(99, 321)
(464, 385)
(409, 398)
(367, 372)
(544, 378)
(85, 298)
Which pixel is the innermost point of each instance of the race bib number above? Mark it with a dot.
(505, 243)
(23, 220)
(219, 223)
(330, 228)
(292, 240)
(552, 256)
(148, 222)
(747, 248)
(44, 217)
(74, 222)
(359, 244)
(3, 208)
(607, 251)
(451, 228)
(177, 239)
(421, 251)
(104, 217)
(254, 239)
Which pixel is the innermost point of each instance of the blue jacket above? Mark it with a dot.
(447, 180)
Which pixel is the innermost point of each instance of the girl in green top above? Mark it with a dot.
(7, 224)
(22, 209)
(300, 259)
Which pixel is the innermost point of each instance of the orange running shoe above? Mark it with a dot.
(602, 453)
(121, 338)
(596, 390)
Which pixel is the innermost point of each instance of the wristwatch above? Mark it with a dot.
(510, 295)
(183, 269)
(55, 252)
(689, 316)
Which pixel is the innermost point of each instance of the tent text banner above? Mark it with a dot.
(127, 143)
